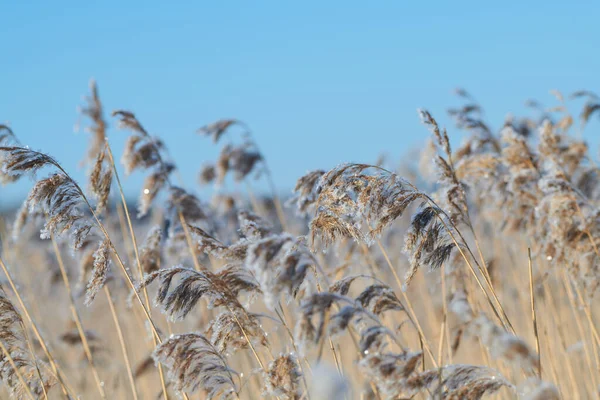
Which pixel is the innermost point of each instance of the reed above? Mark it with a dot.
(471, 275)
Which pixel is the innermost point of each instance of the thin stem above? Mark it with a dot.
(76, 318)
(125, 273)
(550, 303)
(411, 312)
(34, 327)
(18, 372)
(199, 268)
(505, 322)
(283, 320)
(137, 258)
(319, 289)
(317, 267)
(34, 358)
(588, 313)
(482, 266)
(579, 325)
(474, 273)
(567, 358)
(121, 342)
(533, 316)
(446, 331)
(248, 340)
(335, 356)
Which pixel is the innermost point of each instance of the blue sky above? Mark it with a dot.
(319, 83)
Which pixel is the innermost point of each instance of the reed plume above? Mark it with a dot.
(298, 303)
(283, 377)
(193, 363)
(19, 370)
(220, 288)
(142, 151)
(57, 197)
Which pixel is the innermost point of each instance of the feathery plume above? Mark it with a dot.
(194, 363)
(252, 226)
(18, 368)
(283, 377)
(226, 334)
(150, 251)
(305, 191)
(221, 288)
(280, 265)
(217, 128)
(100, 181)
(93, 110)
(99, 272)
(7, 138)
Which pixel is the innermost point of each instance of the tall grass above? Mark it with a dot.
(471, 274)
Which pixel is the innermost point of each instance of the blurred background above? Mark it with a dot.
(319, 84)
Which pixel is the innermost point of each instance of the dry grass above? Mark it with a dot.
(475, 277)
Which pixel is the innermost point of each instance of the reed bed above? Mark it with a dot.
(471, 273)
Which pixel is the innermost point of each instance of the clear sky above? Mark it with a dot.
(319, 82)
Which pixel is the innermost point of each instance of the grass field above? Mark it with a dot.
(470, 273)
